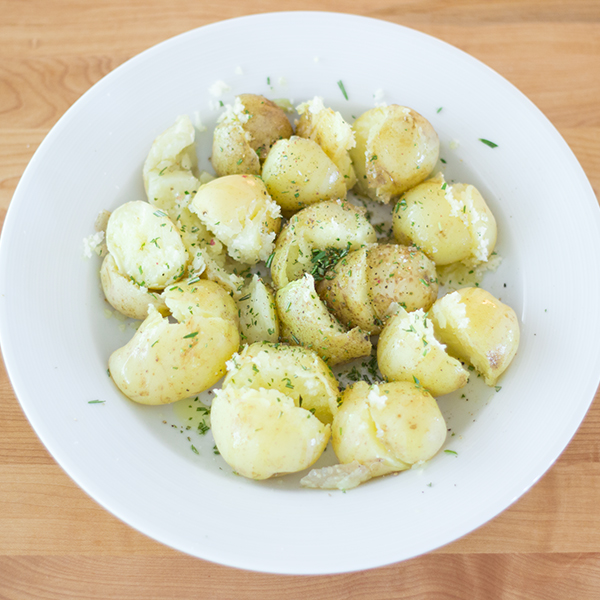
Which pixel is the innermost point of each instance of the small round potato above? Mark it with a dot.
(365, 287)
(311, 325)
(125, 296)
(146, 245)
(388, 427)
(408, 350)
(262, 433)
(314, 230)
(396, 148)
(449, 222)
(299, 173)
(297, 372)
(331, 132)
(245, 134)
(165, 362)
(241, 214)
(479, 329)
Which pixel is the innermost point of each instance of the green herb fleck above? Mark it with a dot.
(342, 88)
(488, 143)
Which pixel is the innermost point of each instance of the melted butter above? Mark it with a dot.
(193, 415)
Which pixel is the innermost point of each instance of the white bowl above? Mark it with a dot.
(56, 339)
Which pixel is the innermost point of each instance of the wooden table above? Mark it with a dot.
(57, 543)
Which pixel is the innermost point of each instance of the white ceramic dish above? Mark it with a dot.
(56, 339)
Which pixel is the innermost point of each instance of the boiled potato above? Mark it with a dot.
(124, 295)
(449, 222)
(317, 235)
(311, 325)
(146, 245)
(364, 288)
(408, 350)
(258, 316)
(165, 362)
(479, 329)
(331, 132)
(262, 433)
(298, 173)
(396, 148)
(388, 427)
(340, 476)
(297, 372)
(241, 214)
(169, 171)
(245, 134)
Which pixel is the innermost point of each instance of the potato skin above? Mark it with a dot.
(310, 324)
(245, 134)
(298, 173)
(261, 433)
(166, 362)
(396, 148)
(479, 329)
(449, 222)
(365, 286)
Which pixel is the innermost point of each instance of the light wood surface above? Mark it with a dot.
(57, 543)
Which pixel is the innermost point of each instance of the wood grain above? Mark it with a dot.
(57, 543)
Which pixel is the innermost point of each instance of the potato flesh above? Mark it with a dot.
(169, 169)
(396, 148)
(407, 349)
(297, 372)
(479, 329)
(146, 245)
(389, 427)
(449, 222)
(241, 214)
(125, 296)
(261, 433)
(257, 312)
(311, 325)
(166, 362)
(299, 173)
(333, 134)
(325, 225)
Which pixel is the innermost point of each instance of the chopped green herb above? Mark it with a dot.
(194, 449)
(342, 88)
(451, 452)
(488, 143)
(190, 335)
(96, 401)
(270, 260)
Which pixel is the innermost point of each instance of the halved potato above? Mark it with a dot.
(241, 214)
(126, 296)
(449, 222)
(165, 362)
(365, 288)
(262, 433)
(396, 148)
(146, 245)
(310, 324)
(408, 351)
(479, 329)
(312, 237)
(170, 169)
(299, 173)
(258, 316)
(297, 372)
(245, 133)
(329, 129)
